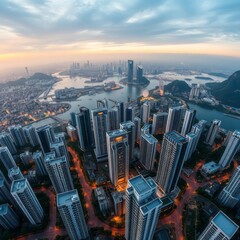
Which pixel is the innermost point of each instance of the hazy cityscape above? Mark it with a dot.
(119, 120)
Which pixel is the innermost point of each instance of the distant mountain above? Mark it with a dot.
(228, 91)
(40, 76)
(177, 87)
(22, 81)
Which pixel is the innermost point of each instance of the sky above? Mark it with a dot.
(46, 31)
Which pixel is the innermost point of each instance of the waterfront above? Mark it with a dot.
(89, 101)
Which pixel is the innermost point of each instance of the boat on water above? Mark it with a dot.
(232, 116)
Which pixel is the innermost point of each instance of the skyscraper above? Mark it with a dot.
(221, 227)
(84, 129)
(174, 119)
(142, 208)
(129, 127)
(17, 134)
(148, 149)
(39, 161)
(6, 158)
(118, 157)
(130, 113)
(60, 149)
(8, 218)
(5, 195)
(159, 123)
(146, 112)
(137, 123)
(120, 106)
(31, 135)
(59, 173)
(27, 200)
(15, 173)
(212, 132)
(139, 74)
(46, 136)
(130, 71)
(113, 118)
(192, 139)
(171, 161)
(100, 127)
(73, 119)
(70, 209)
(230, 195)
(188, 121)
(232, 148)
(7, 141)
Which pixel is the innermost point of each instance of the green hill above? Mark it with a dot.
(177, 87)
(228, 91)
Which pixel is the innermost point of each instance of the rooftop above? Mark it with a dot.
(227, 226)
(57, 160)
(151, 205)
(177, 137)
(116, 133)
(19, 185)
(67, 198)
(150, 138)
(142, 185)
(127, 124)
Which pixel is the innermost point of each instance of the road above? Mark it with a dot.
(176, 217)
(93, 221)
(52, 231)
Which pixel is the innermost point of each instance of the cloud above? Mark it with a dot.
(29, 24)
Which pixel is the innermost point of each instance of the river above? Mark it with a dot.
(134, 92)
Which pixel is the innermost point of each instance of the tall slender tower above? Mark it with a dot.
(142, 208)
(146, 112)
(70, 209)
(6, 158)
(212, 132)
(100, 127)
(7, 141)
(39, 161)
(221, 227)
(174, 119)
(84, 129)
(232, 147)
(192, 139)
(8, 218)
(31, 135)
(130, 71)
(137, 123)
(18, 135)
(159, 123)
(46, 136)
(27, 200)
(230, 195)
(148, 149)
(118, 157)
(129, 127)
(59, 173)
(113, 118)
(188, 121)
(171, 161)
(15, 173)
(139, 74)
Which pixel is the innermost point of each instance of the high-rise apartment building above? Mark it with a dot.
(8, 218)
(84, 129)
(7, 141)
(6, 158)
(137, 123)
(188, 121)
(113, 118)
(192, 139)
(15, 173)
(221, 227)
(129, 127)
(230, 195)
(27, 200)
(174, 119)
(31, 135)
(232, 148)
(118, 157)
(139, 74)
(17, 134)
(39, 161)
(59, 173)
(159, 123)
(70, 209)
(46, 136)
(171, 161)
(100, 127)
(148, 148)
(130, 71)
(142, 208)
(212, 132)
(146, 112)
